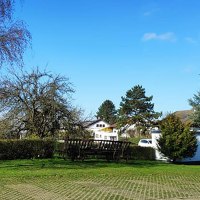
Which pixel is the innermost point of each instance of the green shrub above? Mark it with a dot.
(177, 141)
(25, 149)
(142, 153)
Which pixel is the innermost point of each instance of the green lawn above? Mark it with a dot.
(59, 179)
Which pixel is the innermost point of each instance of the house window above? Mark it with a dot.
(103, 125)
(105, 137)
(100, 136)
(97, 135)
(97, 125)
(100, 125)
(113, 138)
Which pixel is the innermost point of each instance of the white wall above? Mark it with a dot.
(103, 135)
(155, 136)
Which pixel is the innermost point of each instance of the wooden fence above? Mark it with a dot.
(107, 149)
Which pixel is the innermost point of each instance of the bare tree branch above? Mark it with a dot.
(36, 102)
(14, 36)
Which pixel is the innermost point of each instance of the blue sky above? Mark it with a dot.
(106, 47)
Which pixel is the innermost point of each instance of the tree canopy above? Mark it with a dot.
(107, 112)
(14, 36)
(176, 141)
(35, 102)
(137, 108)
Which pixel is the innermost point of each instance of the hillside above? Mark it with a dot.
(184, 115)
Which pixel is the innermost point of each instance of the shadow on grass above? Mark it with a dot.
(59, 163)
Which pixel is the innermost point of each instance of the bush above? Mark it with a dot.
(176, 141)
(26, 149)
(142, 153)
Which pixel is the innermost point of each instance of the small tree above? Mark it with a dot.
(176, 141)
(136, 108)
(107, 112)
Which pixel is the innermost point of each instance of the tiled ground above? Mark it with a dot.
(103, 187)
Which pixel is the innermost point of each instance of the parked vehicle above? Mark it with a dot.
(145, 143)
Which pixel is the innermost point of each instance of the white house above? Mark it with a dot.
(102, 130)
(156, 133)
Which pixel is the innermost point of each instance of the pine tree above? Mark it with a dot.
(107, 112)
(136, 108)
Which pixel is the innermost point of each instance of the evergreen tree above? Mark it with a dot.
(136, 108)
(107, 112)
(176, 141)
(195, 103)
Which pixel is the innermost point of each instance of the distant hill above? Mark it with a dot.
(184, 116)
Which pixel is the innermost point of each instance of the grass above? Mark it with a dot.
(59, 179)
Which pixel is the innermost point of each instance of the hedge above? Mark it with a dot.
(136, 152)
(26, 149)
(142, 153)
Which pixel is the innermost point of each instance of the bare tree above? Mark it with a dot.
(35, 102)
(74, 126)
(14, 37)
